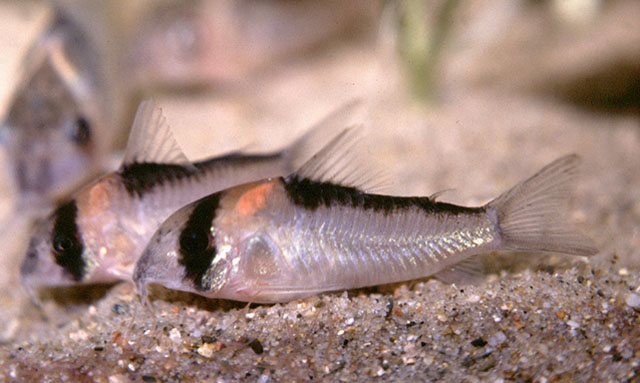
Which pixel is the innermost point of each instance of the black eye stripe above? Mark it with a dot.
(66, 242)
(194, 241)
(197, 247)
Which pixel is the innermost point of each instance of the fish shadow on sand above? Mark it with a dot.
(75, 295)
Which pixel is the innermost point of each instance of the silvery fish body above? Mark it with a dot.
(98, 235)
(286, 238)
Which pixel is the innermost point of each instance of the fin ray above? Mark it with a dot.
(151, 139)
(340, 162)
(532, 214)
(468, 272)
(302, 149)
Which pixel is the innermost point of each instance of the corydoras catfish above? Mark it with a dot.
(313, 231)
(97, 235)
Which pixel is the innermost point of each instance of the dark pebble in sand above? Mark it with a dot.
(256, 346)
(120, 309)
(208, 339)
(478, 342)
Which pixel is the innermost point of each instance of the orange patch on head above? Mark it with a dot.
(253, 200)
(99, 198)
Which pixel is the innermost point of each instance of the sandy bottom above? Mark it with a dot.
(537, 318)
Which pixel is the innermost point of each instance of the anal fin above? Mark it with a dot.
(468, 272)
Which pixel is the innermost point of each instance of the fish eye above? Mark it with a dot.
(82, 131)
(194, 241)
(62, 244)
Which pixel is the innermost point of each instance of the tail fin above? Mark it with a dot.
(532, 215)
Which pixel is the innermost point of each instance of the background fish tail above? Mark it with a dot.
(532, 215)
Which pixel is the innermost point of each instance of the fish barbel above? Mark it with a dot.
(291, 237)
(97, 235)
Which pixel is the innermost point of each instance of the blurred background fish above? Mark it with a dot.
(83, 77)
(61, 120)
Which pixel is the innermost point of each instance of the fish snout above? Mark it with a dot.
(144, 267)
(152, 268)
(33, 270)
(29, 264)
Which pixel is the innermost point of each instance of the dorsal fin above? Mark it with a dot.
(437, 194)
(341, 162)
(301, 150)
(151, 139)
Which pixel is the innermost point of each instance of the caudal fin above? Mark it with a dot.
(532, 215)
